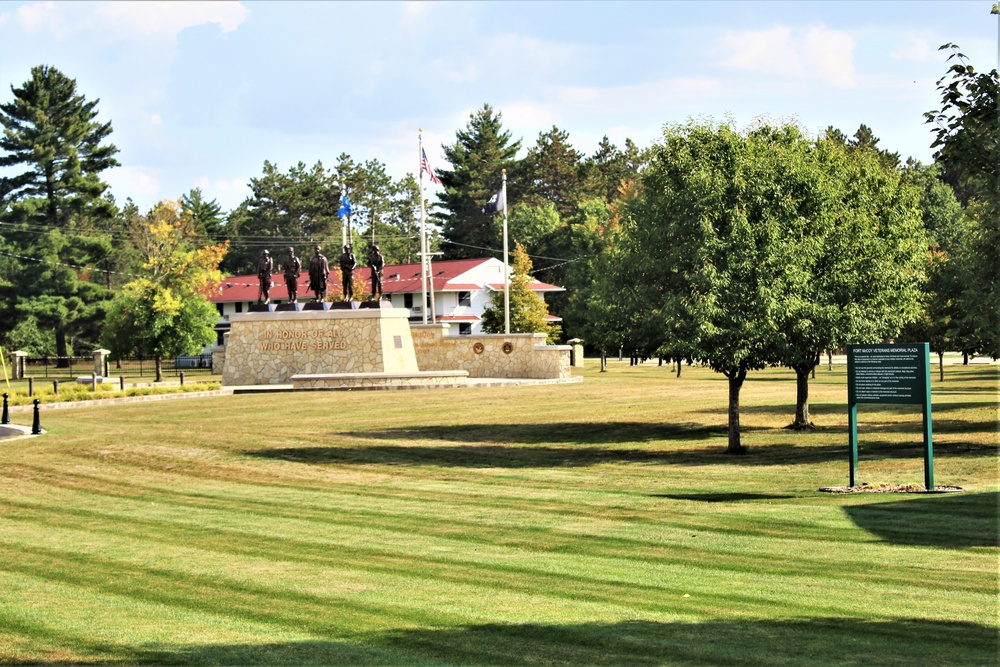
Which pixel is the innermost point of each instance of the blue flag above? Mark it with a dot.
(345, 207)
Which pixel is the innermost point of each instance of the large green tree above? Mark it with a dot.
(860, 254)
(52, 130)
(383, 208)
(609, 171)
(707, 250)
(206, 216)
(949, 232)
(739, 247)
(551, 172)
(52, 207)
(297, 208)
(967, 139)
(165, 313)
(481, 150)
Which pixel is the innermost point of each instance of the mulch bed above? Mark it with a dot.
(890, 488)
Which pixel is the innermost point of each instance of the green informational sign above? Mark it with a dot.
(887, 373)
(890, 373)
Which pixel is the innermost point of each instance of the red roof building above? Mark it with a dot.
(462, 289)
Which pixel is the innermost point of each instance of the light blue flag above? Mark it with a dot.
(345, 207)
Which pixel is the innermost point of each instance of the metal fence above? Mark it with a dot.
(71, 367)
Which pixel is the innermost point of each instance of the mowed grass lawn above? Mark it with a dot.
(597, 523)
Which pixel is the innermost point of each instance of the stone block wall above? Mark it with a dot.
(489, 355)
(269, 348)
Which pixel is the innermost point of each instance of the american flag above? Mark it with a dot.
(424, 166)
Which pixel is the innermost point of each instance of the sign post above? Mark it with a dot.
(890, 373)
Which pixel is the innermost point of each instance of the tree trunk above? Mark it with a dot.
(802, 420)
(965, 358)
(941, 366)
(735, 384)
(678, 366)
(829, 360)
(62, 349)
(159, 368)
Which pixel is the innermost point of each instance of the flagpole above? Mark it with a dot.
(343, 226)
(423, 229)
(506, 268)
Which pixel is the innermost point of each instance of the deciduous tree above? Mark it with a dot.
(166, 313)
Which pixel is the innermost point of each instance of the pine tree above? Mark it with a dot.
(480, 152)
(551, 172)
(297, 208)
(609, 170)
(205, 216)
(527, 309)
(51, 129)
(54, 209)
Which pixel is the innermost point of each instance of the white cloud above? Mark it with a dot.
(213, 187)
(822, 54)
(414, 10)
(512, 49)
(156, 119)
(528, 117)
(170, 18)
(466, 72)
(650, 95)
(39, 15)
(137, 181)
(914, 48)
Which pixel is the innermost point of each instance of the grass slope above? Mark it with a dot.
(581, 524)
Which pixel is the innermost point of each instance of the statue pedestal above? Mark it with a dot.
(270, 347)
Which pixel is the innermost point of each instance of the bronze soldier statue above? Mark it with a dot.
(319, 270)
(292, 271)
(264, 269)
(376, 262)
(347, 264)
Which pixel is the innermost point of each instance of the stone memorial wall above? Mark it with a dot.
(490, 355)
(271, 347)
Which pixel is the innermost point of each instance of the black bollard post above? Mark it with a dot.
(31, 386)
(6, 413)
(182, 378)
(121, 382)
(36, 425)
(55, 386)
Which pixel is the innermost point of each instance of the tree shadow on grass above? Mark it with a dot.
(583, 433)
(577, 444)
(818, 641)
(722, 497)
(526, 456)
(954, 520)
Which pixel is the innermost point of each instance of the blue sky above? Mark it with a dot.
(201, 93)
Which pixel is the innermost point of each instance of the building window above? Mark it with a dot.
(407, 300)
(465, 329)
(465, 298)
(239, 306)
(221, 309)
(218, 338)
